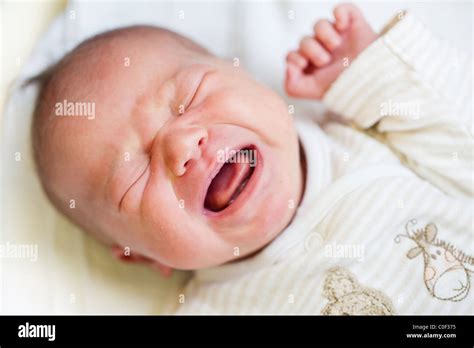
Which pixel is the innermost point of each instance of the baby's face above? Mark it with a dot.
(151, 169)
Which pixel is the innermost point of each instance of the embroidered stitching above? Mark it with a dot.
(348, 297)
(447, 269)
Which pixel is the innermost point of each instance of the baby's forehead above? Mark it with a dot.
(138, 42)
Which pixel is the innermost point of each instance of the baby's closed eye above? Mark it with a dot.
(192, 87)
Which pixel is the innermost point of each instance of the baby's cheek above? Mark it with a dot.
(168, 234)
(278, 208)
(286, 205)
(130, 204)
(277, 116)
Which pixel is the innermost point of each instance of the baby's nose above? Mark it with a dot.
(182, 146)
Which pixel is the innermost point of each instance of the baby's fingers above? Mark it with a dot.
(343, 14)
(327, 35)
(300, 85)
(297, 59)
(314, 52)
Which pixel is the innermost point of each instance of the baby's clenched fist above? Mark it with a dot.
(316, 64)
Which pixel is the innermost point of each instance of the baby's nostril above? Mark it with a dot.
(186, 164)
(201, 141)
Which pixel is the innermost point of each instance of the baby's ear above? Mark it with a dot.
(124, 254)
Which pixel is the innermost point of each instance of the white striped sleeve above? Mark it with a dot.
(414, 93)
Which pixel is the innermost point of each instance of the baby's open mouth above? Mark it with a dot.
(231, 180)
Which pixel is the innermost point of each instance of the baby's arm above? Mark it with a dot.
(397, 90)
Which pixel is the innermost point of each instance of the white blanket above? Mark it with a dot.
(47, 266)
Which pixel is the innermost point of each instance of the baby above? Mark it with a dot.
(188, 163)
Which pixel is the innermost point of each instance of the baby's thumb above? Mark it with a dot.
(293, 76)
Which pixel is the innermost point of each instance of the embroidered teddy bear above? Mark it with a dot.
(348, 297)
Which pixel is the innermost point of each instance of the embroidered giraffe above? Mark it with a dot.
(447, 270)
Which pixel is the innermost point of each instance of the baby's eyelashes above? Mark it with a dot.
(189, 91)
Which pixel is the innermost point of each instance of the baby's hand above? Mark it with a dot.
(321, 58)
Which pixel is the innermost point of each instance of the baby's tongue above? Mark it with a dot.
(225, 184)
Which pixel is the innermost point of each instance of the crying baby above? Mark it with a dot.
(191, 164)
(155, 171)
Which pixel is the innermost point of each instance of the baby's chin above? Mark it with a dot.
(219, 248)
(272, 209)
(276, 215)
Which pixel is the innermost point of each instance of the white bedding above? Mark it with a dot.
(73, 273)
